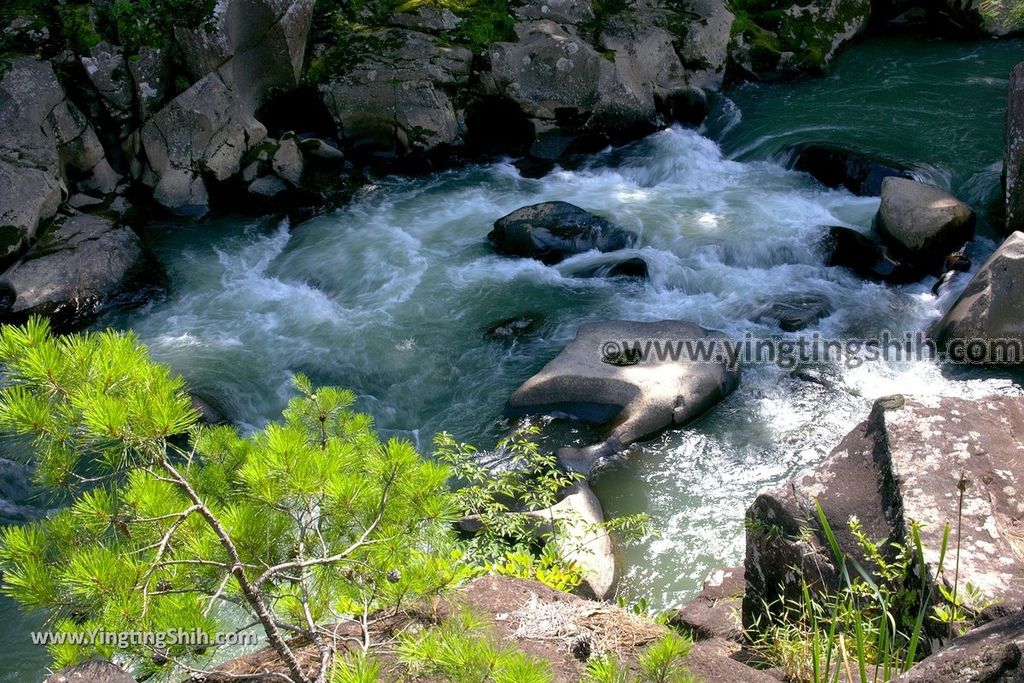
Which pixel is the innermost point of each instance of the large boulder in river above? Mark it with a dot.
(46, 145)
(988, 318)
(633, 378)
(787, 37)
(839, 167)
(922, 223)
(1013, 159)
(552, 231)
(395, 102)
(84, 267)
(901, 465)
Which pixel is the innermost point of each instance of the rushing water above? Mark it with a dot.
(390, 296)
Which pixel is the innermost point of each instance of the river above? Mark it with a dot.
(390, 295)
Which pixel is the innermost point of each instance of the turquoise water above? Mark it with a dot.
(390, 296)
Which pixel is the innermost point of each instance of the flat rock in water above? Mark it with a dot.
(902, 464)
(552, 231)
(603, 376)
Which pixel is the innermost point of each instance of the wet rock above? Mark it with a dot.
(91, 672)
(838, 167)
(564, 148)
(849, 248)
(552, 231)
(428, 19)
(991, 307)
(902, 464)
(267, 187)
(797, 312)
(1013, 159)
(321, 150)
(781, 40)
(987, 654)
(632, 400)
(715, 612)
(201, 134)
(395, 102)
(510, 328)
(635, 268)
(922, 223)
(47, 148)
(82, 268)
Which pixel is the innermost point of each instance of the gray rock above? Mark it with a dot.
(635, 399)
(1013, 160)
(107, 68)
(552, 231)
(794, 313)
(860, 253)
(991, 307)
(902, 464)
(427, 18)
(151, 78)
(81, 269)
(396, 101)
(91, 672)
(322, 150)
(922, 223)
(268, 187)
(987, 654)
(566, 12)
(43, 139)
(207, 128)
(254, 45)
(704, 50)
(287, 161)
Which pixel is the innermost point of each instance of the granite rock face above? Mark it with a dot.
(903, 464)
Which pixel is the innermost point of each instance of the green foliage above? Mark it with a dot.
(461, 650)
(874, 623)
(141, 23)
(355, 668)
(660, 662)
(311, 520)
(548, 567)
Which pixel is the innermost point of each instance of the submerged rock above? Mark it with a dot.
(84, 267)
(510, 328)
(552, 231)
(1013, 159)
(921, 222)
(991, 307)
(901, 465)
(599, 378)
(796, 312)
(849, 248)
(838, 167)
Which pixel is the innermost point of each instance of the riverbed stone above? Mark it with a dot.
(1013, 159)
(553, 231)
(922, 223)
(598, 378)
(85, 266)
(796, 312)
(902, 464)
(839, 167)
(849, 248)
(991, 307)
